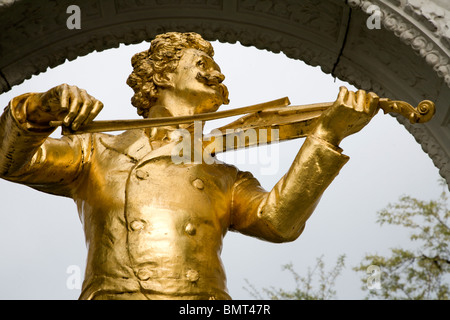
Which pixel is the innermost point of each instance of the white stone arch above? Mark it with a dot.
(407, 59)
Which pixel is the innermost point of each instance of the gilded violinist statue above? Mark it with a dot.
(153, 228)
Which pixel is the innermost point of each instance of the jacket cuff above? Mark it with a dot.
(326, 144)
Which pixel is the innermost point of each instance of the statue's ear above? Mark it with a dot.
(163, 80)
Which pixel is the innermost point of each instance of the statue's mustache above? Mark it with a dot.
(215, 80)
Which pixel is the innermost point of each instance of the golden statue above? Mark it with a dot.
(154, 228)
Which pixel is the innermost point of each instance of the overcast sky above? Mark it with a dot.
(41, 235)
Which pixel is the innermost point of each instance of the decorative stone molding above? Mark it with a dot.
(436, 20)
(248, 34)
(312, 14)
(431, 146)
(6, 3)
(435, 49)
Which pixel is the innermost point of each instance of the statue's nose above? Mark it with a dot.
(221, 77)
(216, 76)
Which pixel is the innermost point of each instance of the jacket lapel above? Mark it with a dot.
(132, 143)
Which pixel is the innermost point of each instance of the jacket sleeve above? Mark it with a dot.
(280, 215)
(28, 156)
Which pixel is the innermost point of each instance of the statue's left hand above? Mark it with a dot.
(70, 104)
(349, 114)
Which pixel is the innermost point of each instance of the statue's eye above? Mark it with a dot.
(201, 64)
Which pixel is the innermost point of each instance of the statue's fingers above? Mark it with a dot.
(372, 104)
(360, 101)
(350, 100)
(75, 104)
(64, 97)
(342, 96)
(97, 107)
(84, 111)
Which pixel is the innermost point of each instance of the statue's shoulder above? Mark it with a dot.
(122, 143)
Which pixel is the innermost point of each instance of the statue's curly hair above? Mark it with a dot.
(163, 56)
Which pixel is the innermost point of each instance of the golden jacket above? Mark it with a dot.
(153, 226)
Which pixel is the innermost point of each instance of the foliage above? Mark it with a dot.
(417, 274)
(317, 285)
(421, 273)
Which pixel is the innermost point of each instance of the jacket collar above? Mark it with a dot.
(141, 143)
(132, 143)
(137, 145)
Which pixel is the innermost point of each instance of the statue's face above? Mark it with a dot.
(198, 78)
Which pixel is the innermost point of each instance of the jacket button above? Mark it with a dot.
(141, 174)
(137, 225)
(192, 275)
(144, 274)
(190, 229)
(198, 184)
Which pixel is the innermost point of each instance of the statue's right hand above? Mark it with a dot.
(70, 104)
